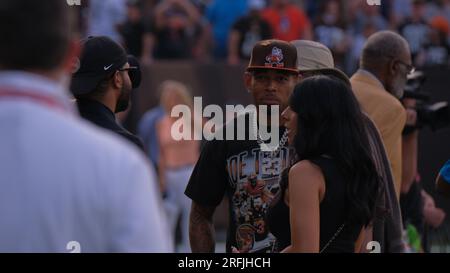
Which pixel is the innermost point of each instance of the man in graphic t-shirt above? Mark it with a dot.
(240, 169)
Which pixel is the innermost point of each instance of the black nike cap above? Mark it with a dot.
(100, 57)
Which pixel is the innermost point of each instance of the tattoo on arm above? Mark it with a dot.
(201, 229)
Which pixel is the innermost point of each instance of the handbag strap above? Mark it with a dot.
(333, 238)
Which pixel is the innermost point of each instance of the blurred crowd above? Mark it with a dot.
(226, 30)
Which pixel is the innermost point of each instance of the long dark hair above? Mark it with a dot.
(330, 122)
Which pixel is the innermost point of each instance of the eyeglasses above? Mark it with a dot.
(131, 68)
(409, 68)
(134, 74)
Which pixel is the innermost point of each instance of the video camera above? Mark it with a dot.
(435, 115)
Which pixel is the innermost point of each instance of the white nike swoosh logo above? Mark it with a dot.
(107, 67)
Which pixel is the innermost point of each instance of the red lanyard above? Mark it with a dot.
(36, 97)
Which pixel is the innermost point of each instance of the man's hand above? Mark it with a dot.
(411, 117)
(433, 216)
(411, 113)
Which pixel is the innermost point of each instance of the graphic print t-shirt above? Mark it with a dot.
(250, 178)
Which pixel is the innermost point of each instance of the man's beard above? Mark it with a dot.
(123, 101)
(398, 88)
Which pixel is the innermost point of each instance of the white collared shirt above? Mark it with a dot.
(67, 185)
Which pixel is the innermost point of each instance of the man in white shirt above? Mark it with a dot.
(66, 186)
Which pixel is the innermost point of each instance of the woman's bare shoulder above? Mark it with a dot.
(305, 167)
(307, 172)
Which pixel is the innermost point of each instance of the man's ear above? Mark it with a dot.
(392, 67)
(248, 80)
(117, 80)
(71, 61)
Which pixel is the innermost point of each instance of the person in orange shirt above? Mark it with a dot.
(288, 22)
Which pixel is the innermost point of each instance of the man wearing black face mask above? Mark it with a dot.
(103, 82)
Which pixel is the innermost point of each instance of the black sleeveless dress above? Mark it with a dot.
(332, 212)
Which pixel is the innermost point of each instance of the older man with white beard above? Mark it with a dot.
(378, 86)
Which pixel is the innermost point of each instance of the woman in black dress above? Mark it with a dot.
(327, 197)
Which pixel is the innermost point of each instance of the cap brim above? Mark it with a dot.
(273, 68)
(329, 71)
(84, 84)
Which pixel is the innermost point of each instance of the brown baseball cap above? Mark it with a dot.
(316, 57)
(274, 54)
